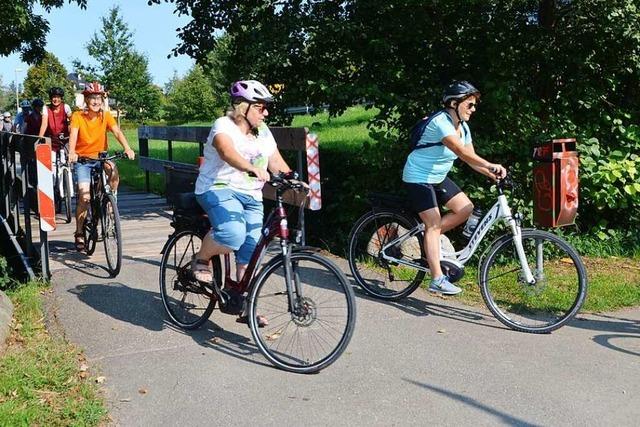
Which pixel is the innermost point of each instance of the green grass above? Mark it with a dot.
(40, 378)
(348, 131)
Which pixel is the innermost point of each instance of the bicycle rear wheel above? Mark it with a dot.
(379, 277)
(556, 296)
(112, 234)
(313, 334)
(66, 186)
(187, 303)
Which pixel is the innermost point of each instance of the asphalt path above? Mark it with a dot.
(424, 360)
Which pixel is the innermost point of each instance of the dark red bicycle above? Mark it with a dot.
(306, 299)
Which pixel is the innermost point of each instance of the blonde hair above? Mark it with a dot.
(238, 109)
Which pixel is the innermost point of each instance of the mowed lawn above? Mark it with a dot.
(348, 131)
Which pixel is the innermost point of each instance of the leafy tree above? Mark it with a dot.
(134, 87)
(25, 32)
(47, 73)
(547, 68)
(7, 97)
(192, 98)
(111, 46)
(122, 70)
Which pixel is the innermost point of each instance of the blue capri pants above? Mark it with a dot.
(236, 220)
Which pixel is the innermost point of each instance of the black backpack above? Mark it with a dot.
(418, 129)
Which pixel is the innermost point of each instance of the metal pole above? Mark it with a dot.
(16, 83)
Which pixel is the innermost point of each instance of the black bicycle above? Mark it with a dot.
(102, 222)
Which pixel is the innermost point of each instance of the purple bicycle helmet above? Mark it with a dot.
(251, 91)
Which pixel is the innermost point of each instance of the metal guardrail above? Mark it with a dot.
(19, 201)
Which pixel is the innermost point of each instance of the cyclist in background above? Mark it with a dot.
(87, 138)
(25, 109)
(55, 118)
(446, 138)
(7, 125)
(33, 120)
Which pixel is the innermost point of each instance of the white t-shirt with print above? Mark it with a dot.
(216, 173)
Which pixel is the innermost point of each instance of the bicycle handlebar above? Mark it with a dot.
(102, 157)
(287, 182)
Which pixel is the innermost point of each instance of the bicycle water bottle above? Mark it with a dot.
(472, 223)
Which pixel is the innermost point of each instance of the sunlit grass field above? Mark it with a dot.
(348, 131)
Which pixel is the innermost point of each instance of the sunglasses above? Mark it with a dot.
(259, 107)
(472, 105)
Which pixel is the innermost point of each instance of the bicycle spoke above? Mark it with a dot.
(553, 299)
(186, 303)
(377, 276)
(310, 334)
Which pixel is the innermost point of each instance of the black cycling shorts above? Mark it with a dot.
(428, 196)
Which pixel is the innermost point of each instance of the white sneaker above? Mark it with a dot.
(442, 285)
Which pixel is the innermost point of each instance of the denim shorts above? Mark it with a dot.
(236, 220)
(83, 172)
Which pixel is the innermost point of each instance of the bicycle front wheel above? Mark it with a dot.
(556, 296)
(112, 234)
(90, 230)
(66, 186)
(187, 303)
(379, 277)
(309, 332)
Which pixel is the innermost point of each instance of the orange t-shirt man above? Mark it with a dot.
(92, 133)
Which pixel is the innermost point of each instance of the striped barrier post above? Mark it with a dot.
(313, 172)
(46, 207)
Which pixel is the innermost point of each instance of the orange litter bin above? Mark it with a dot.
(555, 183)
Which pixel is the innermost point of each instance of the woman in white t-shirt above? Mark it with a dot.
(239, 152)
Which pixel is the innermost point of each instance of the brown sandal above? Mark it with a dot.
(79, 241)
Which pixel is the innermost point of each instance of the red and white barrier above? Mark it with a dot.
(46, 207)
(313, 172)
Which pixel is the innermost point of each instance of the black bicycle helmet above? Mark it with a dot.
(56, 91)
(459, 89)
(37, 103)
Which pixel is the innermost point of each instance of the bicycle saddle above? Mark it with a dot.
(186, 203)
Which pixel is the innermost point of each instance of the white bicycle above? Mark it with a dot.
(531, 280)
(63, 179)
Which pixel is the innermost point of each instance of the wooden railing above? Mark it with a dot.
(289, 139)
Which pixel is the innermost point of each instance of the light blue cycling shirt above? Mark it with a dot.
(431, 165)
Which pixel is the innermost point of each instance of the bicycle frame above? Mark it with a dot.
(61, 163)
(276, 225)
(499, 211)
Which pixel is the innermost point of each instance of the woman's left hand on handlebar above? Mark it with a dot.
(131, 155)
(497, 171)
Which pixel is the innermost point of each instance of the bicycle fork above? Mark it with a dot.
(517, 241)
(298, 307)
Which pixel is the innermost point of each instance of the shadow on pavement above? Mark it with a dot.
(419, 307)
(145, 309)
(503, 417)
(623, 336)
(66, 254)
